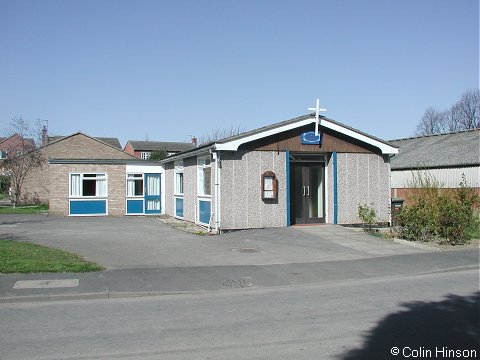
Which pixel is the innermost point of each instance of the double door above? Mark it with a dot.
(307, 193)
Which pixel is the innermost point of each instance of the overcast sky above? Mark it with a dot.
(171, 69)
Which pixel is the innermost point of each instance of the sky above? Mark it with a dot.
(167, 70)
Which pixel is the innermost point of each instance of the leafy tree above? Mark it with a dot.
(158, 154)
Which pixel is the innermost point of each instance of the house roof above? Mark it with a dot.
(233, 143)
(60, 138)
(108, 140)
(435, 151)
(10, 141)
(160, 145)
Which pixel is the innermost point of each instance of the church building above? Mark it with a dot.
(307, 170)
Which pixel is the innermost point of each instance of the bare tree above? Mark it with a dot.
(432, 122)
(22, 156)
(468, 108)
(218, 134)
(463, 115)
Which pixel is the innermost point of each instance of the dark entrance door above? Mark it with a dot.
(307, 193)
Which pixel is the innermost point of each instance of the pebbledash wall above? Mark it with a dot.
(363, 179)
(240, 202)
(190, 189)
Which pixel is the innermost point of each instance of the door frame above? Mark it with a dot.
(307, 160)
(152, 197)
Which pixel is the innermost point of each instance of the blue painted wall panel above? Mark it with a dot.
(134, 206)
(89, 207)
(205, 211)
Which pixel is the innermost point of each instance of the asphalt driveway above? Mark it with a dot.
(143, 242)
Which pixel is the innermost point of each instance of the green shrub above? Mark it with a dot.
(368, 216)
(418, 221)
(458, 216)
(451, 214)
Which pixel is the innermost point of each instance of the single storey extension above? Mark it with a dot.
(84, 176)
(280, 175)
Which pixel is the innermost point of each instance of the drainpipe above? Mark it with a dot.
(335, 194)
(216, 157)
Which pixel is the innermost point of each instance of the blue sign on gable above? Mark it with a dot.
(309, 138)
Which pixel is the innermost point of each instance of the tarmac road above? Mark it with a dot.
(347, 319)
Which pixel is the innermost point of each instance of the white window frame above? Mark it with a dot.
(145, 155)
(98, 176)
(178, 169)
(202, 164)
(135, 177)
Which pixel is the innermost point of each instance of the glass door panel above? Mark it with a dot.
(152, 194)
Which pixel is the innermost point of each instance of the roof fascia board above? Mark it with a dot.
(235, 144)
(384, 148)
(101, 161)
(202, 151)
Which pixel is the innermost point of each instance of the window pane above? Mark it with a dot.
(75, 185)
(153, 185)
(179, 183)
(89, 187)
(207, 180)
(138, 187)
(101, 188)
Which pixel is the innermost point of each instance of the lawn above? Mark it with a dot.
(23, 209)
(22, 257)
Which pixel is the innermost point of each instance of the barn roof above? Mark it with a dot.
(436, 151)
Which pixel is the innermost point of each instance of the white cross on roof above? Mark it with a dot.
(317, 110)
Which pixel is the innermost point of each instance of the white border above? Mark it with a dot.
(235, 144)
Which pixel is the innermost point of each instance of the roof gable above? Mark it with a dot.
(82, 146)
(234, 142)
(108, 140)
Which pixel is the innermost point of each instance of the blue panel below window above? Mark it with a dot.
(179, 207)
(204, 208)
(89, 207)
(134, 206)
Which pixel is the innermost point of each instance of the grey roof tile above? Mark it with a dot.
(160, 145)
(108, 140)
(442, 150)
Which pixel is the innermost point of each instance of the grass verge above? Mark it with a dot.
(22, 257)
(23, 209)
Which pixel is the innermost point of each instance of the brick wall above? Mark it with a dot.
(40, 183)
(59, 193)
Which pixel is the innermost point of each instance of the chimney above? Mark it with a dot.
(194, 141)
(44, 135)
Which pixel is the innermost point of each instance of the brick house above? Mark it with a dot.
(84, 176)
(15, 145)
(143, 149)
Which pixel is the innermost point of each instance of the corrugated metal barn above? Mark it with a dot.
(446, 158)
